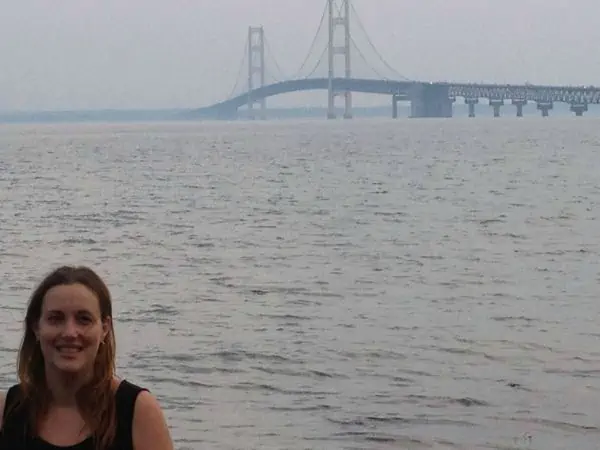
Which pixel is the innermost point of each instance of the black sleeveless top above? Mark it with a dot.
(14, 434)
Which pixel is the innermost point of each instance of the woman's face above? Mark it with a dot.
(70, 329)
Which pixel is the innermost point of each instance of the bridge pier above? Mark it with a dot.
(496, 103)
(545, 107)
(395, 99)
(471, 102)
(430, 100)
(579, 108)
(519, 103)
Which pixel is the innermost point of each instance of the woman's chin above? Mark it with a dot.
(71, 367)
(70, 370)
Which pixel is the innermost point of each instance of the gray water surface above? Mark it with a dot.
(367, 284)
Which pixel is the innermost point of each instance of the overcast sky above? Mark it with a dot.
(88, 54)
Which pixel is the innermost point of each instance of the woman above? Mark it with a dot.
(68, 396)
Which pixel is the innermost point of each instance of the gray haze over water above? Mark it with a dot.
(328, 285)
(156, 54)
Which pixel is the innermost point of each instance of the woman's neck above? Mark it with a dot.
(64, 387)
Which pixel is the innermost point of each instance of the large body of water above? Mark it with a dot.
(365, 284)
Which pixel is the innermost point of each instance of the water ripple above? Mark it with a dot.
(340, 285)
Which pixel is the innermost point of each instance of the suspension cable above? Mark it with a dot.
(373, 46)
(312, 45)
(241, 69)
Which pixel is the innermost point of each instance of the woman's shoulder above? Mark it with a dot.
(135, 399)
(150, 429)
(127, 393)
(7, 400)
(148, 424)
(126, 386)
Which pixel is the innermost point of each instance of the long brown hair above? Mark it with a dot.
(96, 399)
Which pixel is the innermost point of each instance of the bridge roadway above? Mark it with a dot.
(427, 99)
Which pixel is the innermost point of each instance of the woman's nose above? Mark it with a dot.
(70, 328)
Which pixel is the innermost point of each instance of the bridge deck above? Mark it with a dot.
(540, 93)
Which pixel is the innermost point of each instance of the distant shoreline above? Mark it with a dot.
(166, 115)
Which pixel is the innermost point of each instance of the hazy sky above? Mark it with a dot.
(82, 54)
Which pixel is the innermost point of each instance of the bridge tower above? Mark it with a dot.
(256, 69)
(339, 17)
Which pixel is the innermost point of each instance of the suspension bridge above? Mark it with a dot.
(256, 81)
